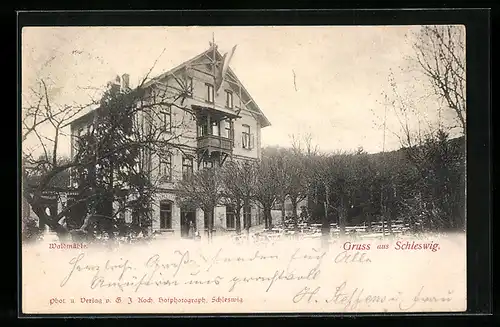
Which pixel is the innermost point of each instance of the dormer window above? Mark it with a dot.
(210, 93)
(229, 99)
(246, 138)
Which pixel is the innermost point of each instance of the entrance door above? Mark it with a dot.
(187, 217)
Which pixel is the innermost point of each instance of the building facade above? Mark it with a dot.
(211, 118)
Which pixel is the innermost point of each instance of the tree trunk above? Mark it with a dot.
(382, 209)
(325, 229)
(246, 219)
(392, 208)
(325, 224)
(312, 201)
(210, 224)
(342, 216)
(389, 218)
(268, 217)
(368, 218)
(383, 221)
(283, 212)
(327, 200)
(293, 200)
(237, 217)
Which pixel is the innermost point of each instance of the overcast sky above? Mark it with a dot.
(340, 72)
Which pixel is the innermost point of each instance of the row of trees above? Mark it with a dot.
(422, 185)
(240, 183)
(424, 181)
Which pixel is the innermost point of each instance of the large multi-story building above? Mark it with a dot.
(227, 125)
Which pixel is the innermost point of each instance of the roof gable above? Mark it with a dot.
(230, 77)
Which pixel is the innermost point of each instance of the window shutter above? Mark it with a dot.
(252, 139)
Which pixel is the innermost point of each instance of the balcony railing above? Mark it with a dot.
(215, 143)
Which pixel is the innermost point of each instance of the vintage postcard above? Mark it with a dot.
(256, 169)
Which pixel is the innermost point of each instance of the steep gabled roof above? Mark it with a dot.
(209, 52)
(251, 102)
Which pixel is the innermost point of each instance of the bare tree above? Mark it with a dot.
(96, 150)
(440, 53)
(298, 174)
(267, 187)
(205, 190)
(42, 124)
(321, 173)
(239, 179)
(276, 157)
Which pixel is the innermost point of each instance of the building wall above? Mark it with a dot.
(184, 132)
(220, 221)
(187, 129)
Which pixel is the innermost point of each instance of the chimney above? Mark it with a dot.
(125, 87)
(114, 84)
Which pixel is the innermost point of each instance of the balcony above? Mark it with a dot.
(214, 143)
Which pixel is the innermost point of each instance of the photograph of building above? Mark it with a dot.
(227, 126)
(346, 131)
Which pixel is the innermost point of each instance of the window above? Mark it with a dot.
(207, 164)
(166, 168)
(215, 128)
(166, 117)
(230, 216)
(245, 141)
(202, 127)
(229, 99)
(189, 86)
(210, 93)
(227, 129)
(165, 214)
(187, 168)
(247, 216)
